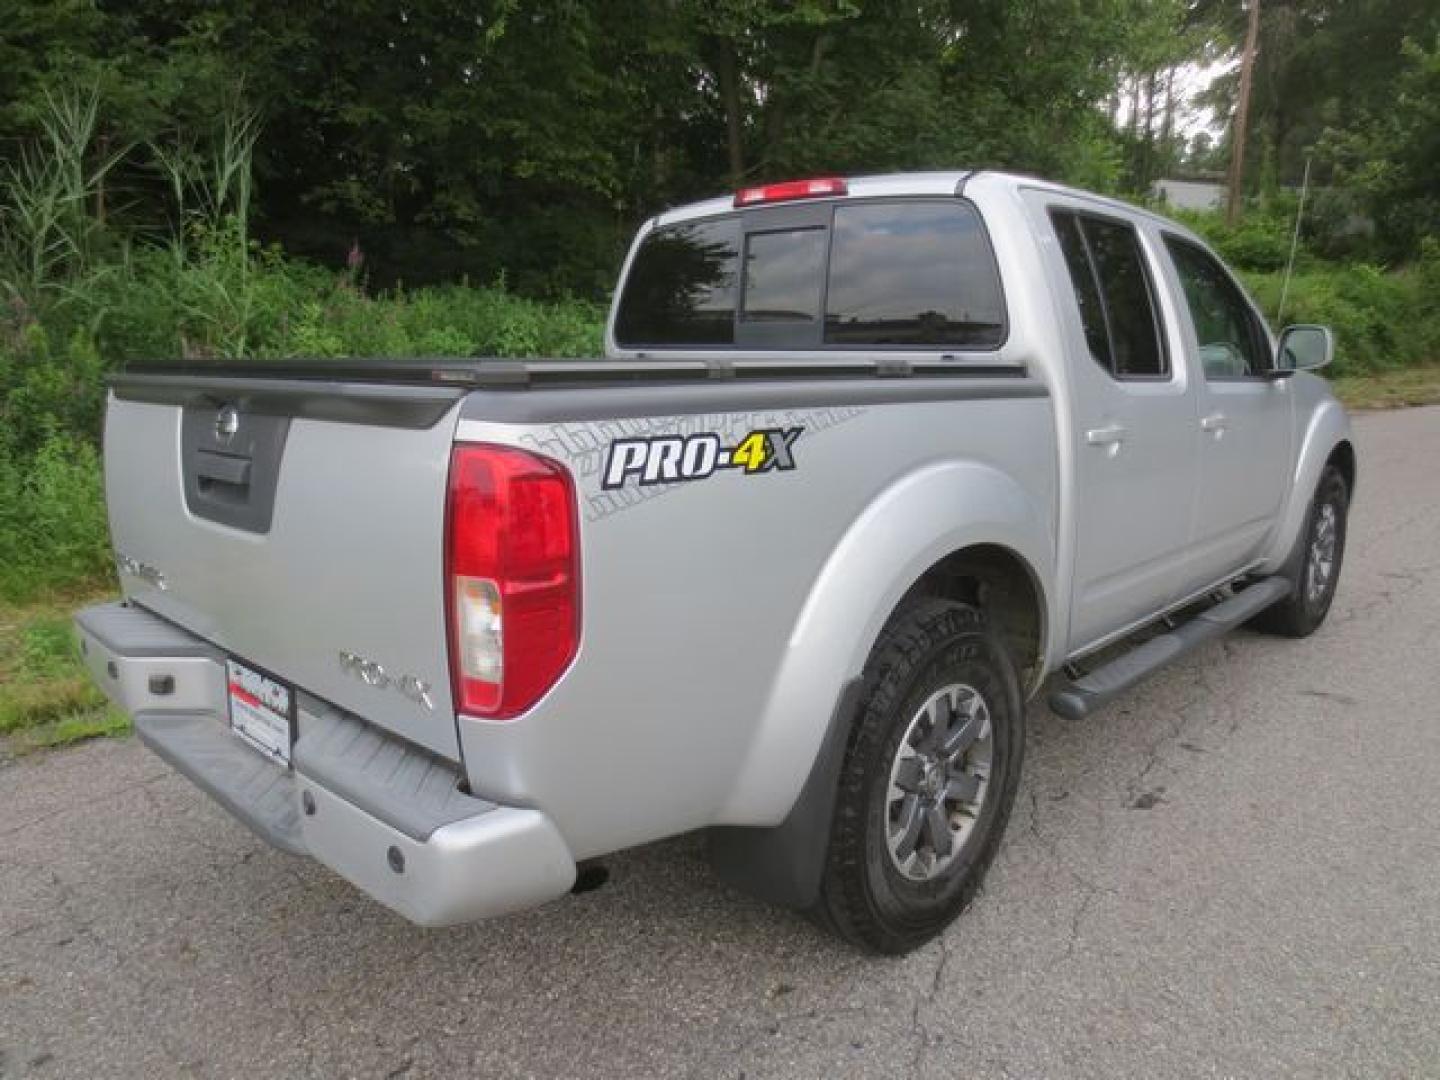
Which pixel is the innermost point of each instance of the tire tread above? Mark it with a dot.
(846, 905)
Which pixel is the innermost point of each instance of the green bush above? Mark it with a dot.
(152, 306)
(1260, 241)
(44, 388)
(451, 321)
(53, 533)
(1381, 320)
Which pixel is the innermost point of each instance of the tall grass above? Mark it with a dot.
(82, 294)
(52, 519)
(50, 219)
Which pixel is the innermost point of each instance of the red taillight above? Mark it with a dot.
(512, 578)
(790, 190)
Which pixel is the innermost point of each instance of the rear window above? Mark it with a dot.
(783, 274)
(918, 274)
(683, 287)
(911, 273)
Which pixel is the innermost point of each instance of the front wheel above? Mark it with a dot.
(929, 778)
(1315, 565)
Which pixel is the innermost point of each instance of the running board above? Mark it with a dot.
(1104, 684)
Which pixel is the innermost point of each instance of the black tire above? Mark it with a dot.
(1304, 609)
(864, 896)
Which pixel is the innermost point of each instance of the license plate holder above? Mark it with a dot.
(261, 710)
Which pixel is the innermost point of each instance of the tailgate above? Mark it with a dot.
(293, 525)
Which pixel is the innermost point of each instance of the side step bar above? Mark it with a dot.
(1104, 684)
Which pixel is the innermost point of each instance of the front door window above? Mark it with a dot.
(1231, 345)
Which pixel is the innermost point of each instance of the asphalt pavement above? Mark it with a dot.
(1235, 871)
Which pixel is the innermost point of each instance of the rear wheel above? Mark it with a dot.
(1315, 566)
(928, 781)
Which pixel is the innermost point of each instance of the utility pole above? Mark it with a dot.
(1242, 118)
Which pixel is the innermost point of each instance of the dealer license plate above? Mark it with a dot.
(262, 710)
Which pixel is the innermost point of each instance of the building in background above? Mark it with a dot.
(1194, 193)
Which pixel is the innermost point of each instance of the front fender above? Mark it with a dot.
(909, 527)
(1325, 427)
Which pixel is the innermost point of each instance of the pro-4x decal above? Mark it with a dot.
(666, 459)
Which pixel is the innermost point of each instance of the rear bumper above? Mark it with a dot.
(387, 816)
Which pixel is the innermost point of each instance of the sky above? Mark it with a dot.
(1191, 80)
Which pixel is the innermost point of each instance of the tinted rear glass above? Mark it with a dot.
(1087, 290)
(912, 274)
(1135, 347)
(783, 273)
(905, 273)
(1112, 289)
(683, 287)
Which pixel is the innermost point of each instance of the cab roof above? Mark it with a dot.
(939, 182)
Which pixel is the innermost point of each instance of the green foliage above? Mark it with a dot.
(1389, 154)
(470, 138)
(206, 289)
(1381, 320)
(97, 721)
(1259, 242)
(46, 697)
(47, 230)
(1354, 88)
(1402, 388)
(47, 647)
(44, 389)
(52, 518)
(186, 179)
(455, 320)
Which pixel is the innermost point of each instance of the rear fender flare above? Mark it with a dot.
(908, 528)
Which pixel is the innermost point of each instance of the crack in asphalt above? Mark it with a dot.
(918, 1029)
(1089, 888)
(1076, 918)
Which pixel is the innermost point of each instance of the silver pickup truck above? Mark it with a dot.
(867, 462)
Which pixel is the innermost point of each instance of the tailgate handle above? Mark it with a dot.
(222, 468)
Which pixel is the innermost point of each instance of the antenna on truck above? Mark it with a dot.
(1294, 243)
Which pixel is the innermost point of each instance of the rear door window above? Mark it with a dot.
(1113, 290)
(1087, 289)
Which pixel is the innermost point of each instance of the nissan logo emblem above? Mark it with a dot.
(227, 423)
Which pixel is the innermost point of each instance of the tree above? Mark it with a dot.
(1242, 116)
(1392, 155)
(454, 138)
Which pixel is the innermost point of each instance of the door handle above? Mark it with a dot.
(1216, 422)
(1110, 435)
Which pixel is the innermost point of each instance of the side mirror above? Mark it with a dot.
(1303, 348)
